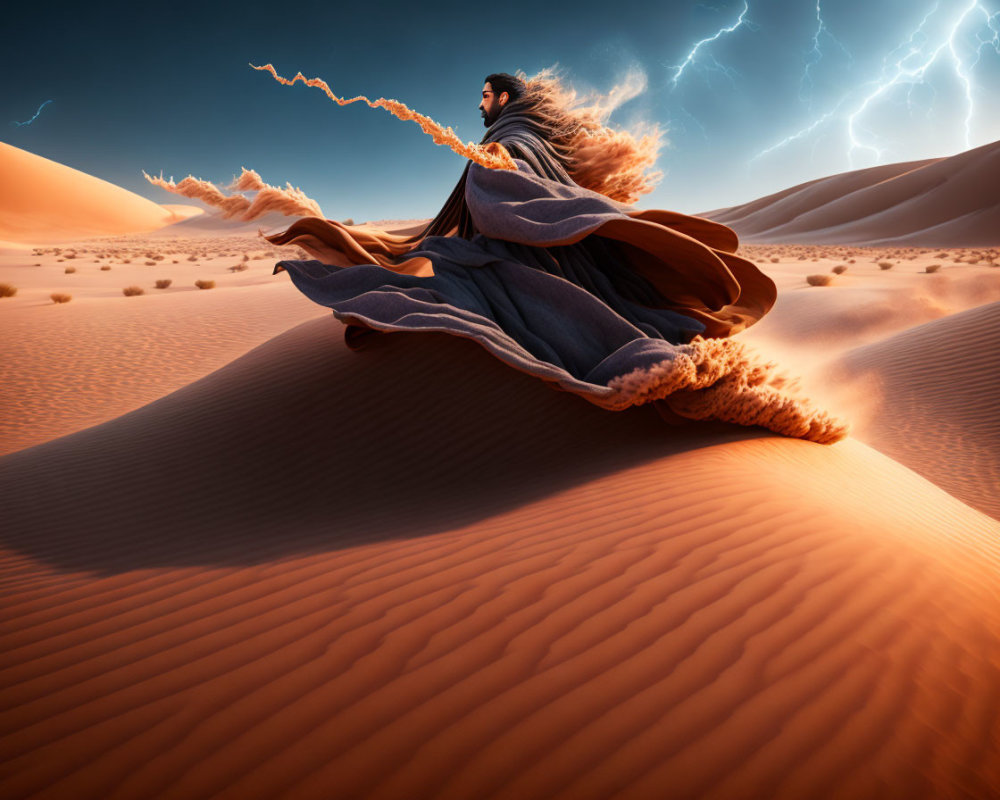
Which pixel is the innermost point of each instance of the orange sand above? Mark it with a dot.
(43, 201)
(238, 561)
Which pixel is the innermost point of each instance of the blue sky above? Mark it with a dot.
(777, 93)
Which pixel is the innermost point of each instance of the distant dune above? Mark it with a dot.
(44, 201)
(212, 223)
(181, 211)
(939, 202)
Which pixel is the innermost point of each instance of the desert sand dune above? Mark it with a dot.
(937, 203)
(784, 206)
(212, 223)
(182, 212)
(937, 407)
(415, 572)
(44, 201)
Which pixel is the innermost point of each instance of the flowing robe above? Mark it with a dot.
(618, 305)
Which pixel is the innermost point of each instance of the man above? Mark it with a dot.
(493, 103)
(552, 270)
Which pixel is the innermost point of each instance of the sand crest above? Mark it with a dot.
(939, 202)
(44, 201)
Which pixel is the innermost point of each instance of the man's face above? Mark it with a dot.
(491, 104)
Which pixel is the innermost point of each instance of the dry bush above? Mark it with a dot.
(158, 257)
(775, 259)
(819, 280)
(840, 269)
(246, 257)
(60, 298)
(175, 261)
(105, 267)
(129, 291)
(69, 269)
(192, 258)
(150, 263)
(37, 265)
(238, 267)
(69, 255)
(163, 283)
(205, 284)
(932, 268)
(885, 265)
(6, 290)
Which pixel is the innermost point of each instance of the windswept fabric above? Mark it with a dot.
(617, 305)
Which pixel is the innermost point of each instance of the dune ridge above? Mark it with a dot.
(44, 201)
(937, 384)
(939, 202)
(532, 598)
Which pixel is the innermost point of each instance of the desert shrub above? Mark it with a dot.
(128, 291)
(840, 269)
(6, 290)
(885, 265)
(69, 270)
(205, 284)
(69, 255)
(238, 267)
(932, 268)
(163, 283)
(105, 267)
(246, 257)
(60, 298)
(192, 258)
(127, 261)
(819, 280)
(775, 259)
(150, 263)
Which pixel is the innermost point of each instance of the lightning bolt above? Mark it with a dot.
(815, 55)
(693, 52)
(907, 65)
(911, 68)
(794, 137)
(19, 124)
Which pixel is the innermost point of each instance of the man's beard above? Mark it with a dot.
(489, 119)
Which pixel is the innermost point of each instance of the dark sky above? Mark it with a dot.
(778, 92)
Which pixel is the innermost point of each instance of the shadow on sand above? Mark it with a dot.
(303, 445)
